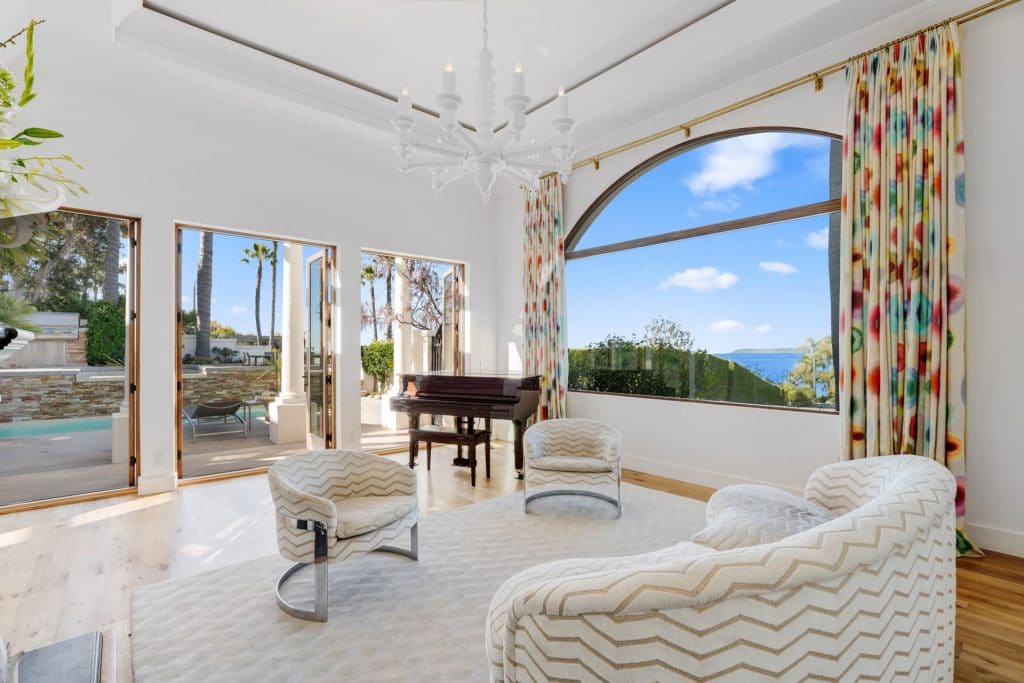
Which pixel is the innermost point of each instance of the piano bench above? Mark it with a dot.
(431, 434)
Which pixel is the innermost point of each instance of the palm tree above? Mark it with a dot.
(273, 292)
(111, 260)
(258, 253)
(204, 289)
(15, 312)
(369, 276)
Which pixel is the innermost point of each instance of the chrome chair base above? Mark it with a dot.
(319, 611)
(574, 492)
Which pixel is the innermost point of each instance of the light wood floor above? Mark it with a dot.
(70, 570)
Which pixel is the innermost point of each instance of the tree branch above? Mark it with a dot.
(10, 41)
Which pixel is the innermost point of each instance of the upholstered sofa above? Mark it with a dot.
(869, 594)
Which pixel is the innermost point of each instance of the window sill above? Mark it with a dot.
(788, 409)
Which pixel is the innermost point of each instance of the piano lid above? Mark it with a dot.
(438, 384)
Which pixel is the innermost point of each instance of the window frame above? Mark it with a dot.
(590, 214)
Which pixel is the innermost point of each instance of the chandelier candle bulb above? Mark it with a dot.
(518, 81)
(404, 101)
(448, 79)
(563, 104)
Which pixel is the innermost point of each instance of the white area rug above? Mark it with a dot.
(391, 619)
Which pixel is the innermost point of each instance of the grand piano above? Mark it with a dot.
(497, 397)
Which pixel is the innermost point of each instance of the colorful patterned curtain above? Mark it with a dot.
(902, 328)
(546, 351)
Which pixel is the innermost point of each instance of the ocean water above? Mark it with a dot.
(772, 366)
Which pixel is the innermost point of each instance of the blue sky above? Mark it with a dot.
(763, 287)
(234, 283)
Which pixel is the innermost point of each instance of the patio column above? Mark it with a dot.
(288, 410)
(402, 332)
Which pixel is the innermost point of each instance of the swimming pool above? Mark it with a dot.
(13, 430)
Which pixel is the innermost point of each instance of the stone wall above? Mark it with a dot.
(56, 394)
(50, 394)
(226, 383)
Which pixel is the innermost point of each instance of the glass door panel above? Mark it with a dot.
(319, 354)
(314, 349)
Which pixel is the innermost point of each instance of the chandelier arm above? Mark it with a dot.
(440, 150)
(501, 139)
(467, 142)
(539, 166)
(529, 153)
(440, 166)
(454, 173)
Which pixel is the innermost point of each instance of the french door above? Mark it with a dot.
(320, 350)
(451, 328)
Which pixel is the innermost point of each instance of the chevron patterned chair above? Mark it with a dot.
(572, 456)
(334, 504)
(867, 595)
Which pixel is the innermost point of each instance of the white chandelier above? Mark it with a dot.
(483, 153)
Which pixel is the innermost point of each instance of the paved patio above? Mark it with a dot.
(56, 465)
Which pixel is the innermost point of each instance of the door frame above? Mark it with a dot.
(132, 314)
(327, 355)
(459, 298)
(179, 227)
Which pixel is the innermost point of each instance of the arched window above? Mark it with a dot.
(709, 272)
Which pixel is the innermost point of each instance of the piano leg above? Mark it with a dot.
(519, 448)
(414, 423)
(461, 427)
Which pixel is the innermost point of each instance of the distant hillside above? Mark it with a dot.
(764, 351)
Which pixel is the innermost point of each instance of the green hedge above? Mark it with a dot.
(629, 368)
(379, 362)
(105, 343)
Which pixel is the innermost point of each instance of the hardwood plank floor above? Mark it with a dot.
(68, 570)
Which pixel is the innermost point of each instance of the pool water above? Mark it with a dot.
(13, 430)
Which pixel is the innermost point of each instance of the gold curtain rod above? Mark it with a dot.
(816, 78)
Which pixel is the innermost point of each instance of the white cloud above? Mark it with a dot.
(778, 267)
(740, 161)
(727, 326)
(239, 310)
(700, 279)
(763, 329)
(818, 239)
(724, 205)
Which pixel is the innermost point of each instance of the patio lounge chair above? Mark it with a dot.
(215, 412)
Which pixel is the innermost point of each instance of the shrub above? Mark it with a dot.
(379, 362)
(222, 354)
(624, 366)
(105, 344)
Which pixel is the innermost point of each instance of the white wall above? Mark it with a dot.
(717, 445)
(168, 144)
(993, 102)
